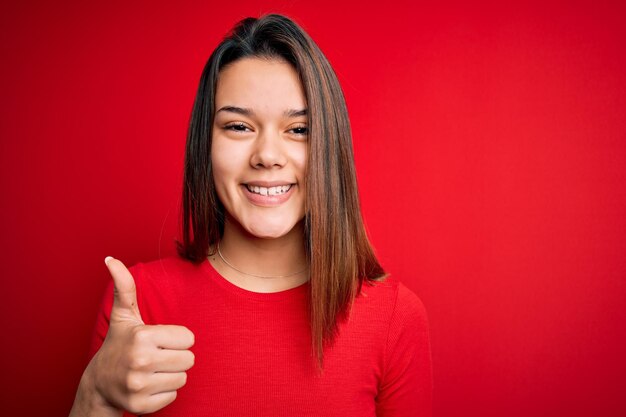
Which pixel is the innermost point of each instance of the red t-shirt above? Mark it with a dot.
(253, 350)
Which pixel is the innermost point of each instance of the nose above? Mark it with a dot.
(268, 150)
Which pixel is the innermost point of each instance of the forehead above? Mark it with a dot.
(260, 84)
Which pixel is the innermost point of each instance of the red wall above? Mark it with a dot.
(491, 151)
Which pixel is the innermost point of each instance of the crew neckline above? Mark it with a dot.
(300, 290)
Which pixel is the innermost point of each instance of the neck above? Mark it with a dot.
(262, 265)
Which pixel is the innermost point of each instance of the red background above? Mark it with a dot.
(491, 151)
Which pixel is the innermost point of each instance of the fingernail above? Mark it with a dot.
(107, 259)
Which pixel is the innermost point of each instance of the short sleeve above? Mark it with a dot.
(405, 389)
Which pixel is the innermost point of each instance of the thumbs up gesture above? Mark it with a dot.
(139, 368)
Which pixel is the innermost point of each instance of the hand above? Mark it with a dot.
(139, 368)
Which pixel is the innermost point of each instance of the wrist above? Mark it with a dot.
(89, 402)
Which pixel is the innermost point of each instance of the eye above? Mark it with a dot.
(300, 130)
(237, 127)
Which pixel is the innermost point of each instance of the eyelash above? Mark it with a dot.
(305, 133)
(235, 127)
(239, 127)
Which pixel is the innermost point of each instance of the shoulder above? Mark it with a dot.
(168, 272)
(391, 293)
(406, 377)
(404, 312)
(409, 306)
(391, 310)
(167, 285)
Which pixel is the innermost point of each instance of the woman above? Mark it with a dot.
(277, 287)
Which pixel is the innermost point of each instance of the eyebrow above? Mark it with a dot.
(296, 113)
(237, 110)
(249, 112)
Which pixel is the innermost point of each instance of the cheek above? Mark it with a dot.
(221, 171)
(299, 159)
(225, 160)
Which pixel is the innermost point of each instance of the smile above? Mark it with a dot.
(265, 191)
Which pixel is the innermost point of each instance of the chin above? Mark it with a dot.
(268, 232)
(271, 228)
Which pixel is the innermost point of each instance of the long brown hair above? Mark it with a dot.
(338, 250)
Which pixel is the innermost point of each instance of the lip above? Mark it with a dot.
(268, 184)
(267, 200)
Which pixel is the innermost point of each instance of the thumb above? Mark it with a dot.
(124, 292)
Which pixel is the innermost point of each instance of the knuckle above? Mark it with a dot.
(136, 405)
(139, 361)
(134, 383)
(140, 335)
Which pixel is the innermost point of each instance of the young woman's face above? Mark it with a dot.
(259, 148)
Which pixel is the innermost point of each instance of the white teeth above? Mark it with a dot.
(281, 189)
